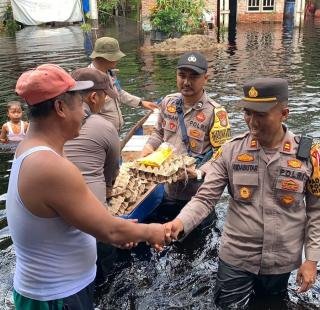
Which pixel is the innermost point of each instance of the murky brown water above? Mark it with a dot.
(180, 277)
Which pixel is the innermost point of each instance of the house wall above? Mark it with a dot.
(243, 16)
(3, 6)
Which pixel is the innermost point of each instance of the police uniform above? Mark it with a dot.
(195, 131)
(273, 207)
(199, 121)
(266, 202)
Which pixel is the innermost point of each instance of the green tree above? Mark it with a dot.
(172, 16)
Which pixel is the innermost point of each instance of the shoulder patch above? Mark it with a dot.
(220, 132)
(217, 154)
(314, 181)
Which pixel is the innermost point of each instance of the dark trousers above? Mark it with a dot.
(238, 289)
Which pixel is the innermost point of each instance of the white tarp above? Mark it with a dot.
(35, 12)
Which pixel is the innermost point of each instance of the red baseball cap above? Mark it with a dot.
(46, 82)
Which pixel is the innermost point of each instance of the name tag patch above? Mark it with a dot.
(298, 175)
(245, 167)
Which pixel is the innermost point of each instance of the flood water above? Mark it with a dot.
(182, 276)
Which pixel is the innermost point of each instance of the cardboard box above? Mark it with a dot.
(150, 123)
(133, 148)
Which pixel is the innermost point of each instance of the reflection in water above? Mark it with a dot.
(179, 277)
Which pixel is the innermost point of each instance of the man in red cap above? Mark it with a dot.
(273, 182)
(53, 217)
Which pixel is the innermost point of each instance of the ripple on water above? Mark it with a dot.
(180, 277)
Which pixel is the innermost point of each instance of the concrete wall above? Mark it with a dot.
(243, 16)
(3, 5)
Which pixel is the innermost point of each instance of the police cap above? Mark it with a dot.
(194, 61)
(262, 94)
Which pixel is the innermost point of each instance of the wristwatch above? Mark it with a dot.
(199, 174)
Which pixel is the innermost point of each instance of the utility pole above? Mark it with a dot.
(94, 13)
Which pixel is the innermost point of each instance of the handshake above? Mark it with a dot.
(157, 235)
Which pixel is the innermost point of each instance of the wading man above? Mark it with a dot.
(53, 217)
(96, 151)
(105, 57)
(193, 124)
(273, 207)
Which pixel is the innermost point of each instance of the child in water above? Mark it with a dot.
(15, 129)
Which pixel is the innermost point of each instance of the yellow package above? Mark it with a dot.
(156, 159)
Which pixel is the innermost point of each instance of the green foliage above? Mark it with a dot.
(10, 25)
(105, 8)
(172, 16)
(86, 27)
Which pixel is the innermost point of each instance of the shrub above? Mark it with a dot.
(177, 16)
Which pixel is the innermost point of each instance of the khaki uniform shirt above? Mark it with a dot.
(96, 152)
(198, 121)
(111, 109)
(271, 214)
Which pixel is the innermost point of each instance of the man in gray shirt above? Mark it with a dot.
(96, 151)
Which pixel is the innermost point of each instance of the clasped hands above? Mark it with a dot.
(170, 232)
(160, 235)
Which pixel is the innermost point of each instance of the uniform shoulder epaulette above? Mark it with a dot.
(239, 137)
(174, 95)
(213, 103)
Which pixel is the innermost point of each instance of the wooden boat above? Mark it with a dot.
(131, 146)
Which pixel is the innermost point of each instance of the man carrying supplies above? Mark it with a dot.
(274, 207)
(191, 122)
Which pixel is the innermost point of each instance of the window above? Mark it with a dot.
(260, 5)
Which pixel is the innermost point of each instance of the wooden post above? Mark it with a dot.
(299, 12)
(94, 12)
(224, 13)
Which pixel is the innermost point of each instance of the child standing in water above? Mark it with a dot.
(15, 129)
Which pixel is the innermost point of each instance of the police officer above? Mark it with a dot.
(191, 122)
(273, 208)
(105, 57)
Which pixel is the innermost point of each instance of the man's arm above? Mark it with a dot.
(4, 133)
(308, 270)
(202, 203)
(128, 99)
(135, 101)
(149, 105)
(49, 183)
